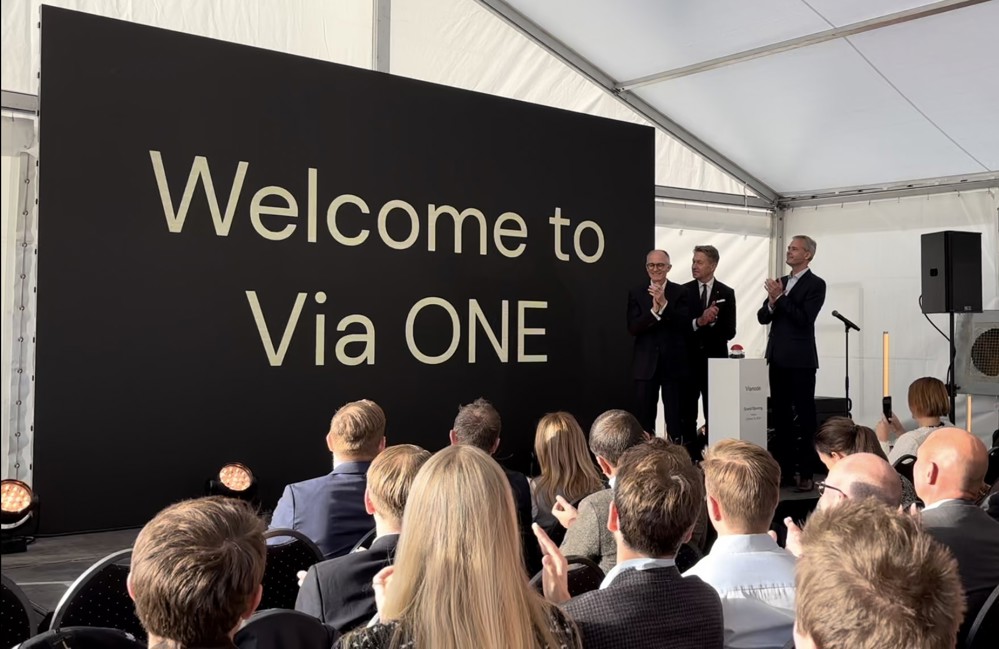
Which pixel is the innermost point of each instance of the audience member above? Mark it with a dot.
(330, 509)
(928, 403)
(855, 477)
(478, 424)
(566, 469)
(611, 434)
(839, 437)
(339, 591)
(458, 579)
(752, 574)
(644, 601)
(949, 472)
(870, 578)
(196, 572)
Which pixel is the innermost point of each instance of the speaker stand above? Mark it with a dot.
(951, 376)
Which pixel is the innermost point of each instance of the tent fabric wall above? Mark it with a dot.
(869, 255)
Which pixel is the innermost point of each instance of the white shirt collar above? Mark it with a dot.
(800, 273)
(641, 563)
(741, 543)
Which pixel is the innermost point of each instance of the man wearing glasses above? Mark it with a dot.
(658, 318)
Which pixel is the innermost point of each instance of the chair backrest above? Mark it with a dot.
(83, 637)
(365, 541)
(905, 466)
(687, 557)
(280, 628)
(985, 629)
(992, 473)
(584, 576)
(99, 598)
(284, 561)
(17, 619)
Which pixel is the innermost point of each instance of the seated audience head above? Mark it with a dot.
(459, 579)
(566, 467)
(951, 463)
(357, 432)
(196, 571)
(742, 481)
(478, 424)
(928, 398)
(870, 578)
(613, 433)
(657, 499)
(859, 476)
(389, 479)
(839, 437)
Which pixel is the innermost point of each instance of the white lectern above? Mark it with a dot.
(737, 404)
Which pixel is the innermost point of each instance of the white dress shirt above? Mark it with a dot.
(641, 563)
(755, 579)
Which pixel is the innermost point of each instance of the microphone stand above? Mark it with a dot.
(846, 381)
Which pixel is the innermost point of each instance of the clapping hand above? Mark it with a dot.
(774, 289)
(658, 294)
(554, 568)
(564, 512)
(709, 316)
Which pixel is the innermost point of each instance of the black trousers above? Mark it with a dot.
(792, 399)
(693, 389)
(678, 428)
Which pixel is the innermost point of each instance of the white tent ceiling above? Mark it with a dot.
(917, 98)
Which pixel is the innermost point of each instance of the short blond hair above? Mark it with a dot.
(870, 577)
(196, 568)
(390, 476)
(745, 480)
(357, 428)
(928, 398)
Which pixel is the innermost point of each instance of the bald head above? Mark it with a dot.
(864, 475)
(951, 463)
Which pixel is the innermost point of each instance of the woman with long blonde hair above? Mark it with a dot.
(459, 580)
(567, 470)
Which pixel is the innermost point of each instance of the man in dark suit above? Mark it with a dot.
(712, 312)
(792, 305)
(339, 591)
(643, 601)
(948, 476)
(330, 509)
(659, 319)
(478, 424)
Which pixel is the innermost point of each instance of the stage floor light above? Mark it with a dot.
(235, 480)
(18, 508)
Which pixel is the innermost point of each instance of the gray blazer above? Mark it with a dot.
(589, 536)
(654, 608)
(973, 537)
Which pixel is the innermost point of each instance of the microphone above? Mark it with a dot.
(849, 324)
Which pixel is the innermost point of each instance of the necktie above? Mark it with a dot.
(704, 297)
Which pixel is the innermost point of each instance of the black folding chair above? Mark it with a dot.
(99, 598)
(584, 576)
(992, 473)
(365, 541)
(83, 637)
(985, 629)
(905, 466)
(280, 629)
(17, 618)
(284, 561)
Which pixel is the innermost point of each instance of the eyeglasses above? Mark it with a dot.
(655, 266)
(822, 486)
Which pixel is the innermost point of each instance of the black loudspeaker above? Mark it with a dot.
(952, 272)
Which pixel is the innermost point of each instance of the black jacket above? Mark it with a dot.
(792, 323)
(663, 340)
(711, 341)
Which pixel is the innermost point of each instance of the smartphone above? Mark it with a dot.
(886, 407)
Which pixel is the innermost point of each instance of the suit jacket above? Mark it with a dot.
(329, 509)
(659, 341)
(792, 324)
(973, 538)
(711, 341)
(521, 488)
(339, 591)
(589, 536)
(654, 608)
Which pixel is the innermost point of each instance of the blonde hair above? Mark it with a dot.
(459, 580)
(745, 479)
(564, 460)
(357, 428)
(196, 568)
(390, 477)
(871, 577)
